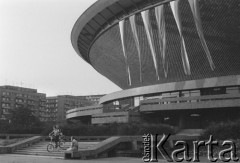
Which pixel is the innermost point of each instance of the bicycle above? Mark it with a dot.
(51, 146)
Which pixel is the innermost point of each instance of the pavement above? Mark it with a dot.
(11, 158)
(15, 158)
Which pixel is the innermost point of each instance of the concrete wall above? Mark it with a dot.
(115, 117)
(203, 102)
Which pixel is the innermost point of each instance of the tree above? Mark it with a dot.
(22, 119)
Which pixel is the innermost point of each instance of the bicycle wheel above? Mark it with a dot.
(50, 147)
(61, 143)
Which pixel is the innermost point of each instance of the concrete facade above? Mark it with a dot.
(116, 117)
(99, 114)
(176, 61)
(12, 97)
(58, 106)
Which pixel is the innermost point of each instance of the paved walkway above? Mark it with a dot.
(10, 158)
(13, 158)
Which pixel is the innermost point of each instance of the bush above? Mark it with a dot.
(223, 130)
(47, 128)
(115, 129)
(156, 129)
(14, 129)
(91, 130)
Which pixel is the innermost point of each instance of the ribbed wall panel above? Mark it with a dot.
(221, 28)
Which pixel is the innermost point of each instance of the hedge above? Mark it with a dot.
(223, 130)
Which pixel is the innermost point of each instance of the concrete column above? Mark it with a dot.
(134, 145)
(182, 121)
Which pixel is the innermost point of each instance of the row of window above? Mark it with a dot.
(23, 95)
(52, 100)
(47, 119)
(51, 105)
(192, 93)
(5, 105)
(19, 104)
(6, 99)
(185, 93)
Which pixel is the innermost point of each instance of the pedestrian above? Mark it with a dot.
(74, 145)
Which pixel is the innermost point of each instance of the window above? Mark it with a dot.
(116, 103)
(232, 90)
(5, 111)
(19, 95)
(5, 99)
(185, 94)
(5, 93)
(194, 93)
(153, 97)
(137, 100)
(213, 91)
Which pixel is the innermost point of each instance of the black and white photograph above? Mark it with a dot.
(123, 81)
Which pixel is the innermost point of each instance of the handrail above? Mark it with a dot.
(81, 138)
(206, 97)
(24, 143)
(8, 136)
(84, 109)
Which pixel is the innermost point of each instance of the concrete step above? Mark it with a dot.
(42, 154)
(37, 150)
(40, 149)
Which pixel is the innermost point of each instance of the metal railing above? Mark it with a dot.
(190, 99)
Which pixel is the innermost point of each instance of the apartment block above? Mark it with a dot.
(57, 106)
(12, 97)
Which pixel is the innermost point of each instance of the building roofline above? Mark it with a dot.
(95, 10)
(85, 18)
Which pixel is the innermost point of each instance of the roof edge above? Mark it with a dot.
(85, 18)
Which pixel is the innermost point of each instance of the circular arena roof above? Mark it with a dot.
(180, 41)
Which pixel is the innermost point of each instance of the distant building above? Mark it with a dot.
(57, 106)
(12, 97)
(97, 114)
(94, 98)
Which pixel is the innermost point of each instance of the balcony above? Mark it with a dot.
(84, 111)
(198, 102)
(32, 103)
(6, 113)
(6, 107)
(5, 95)
(20, 102)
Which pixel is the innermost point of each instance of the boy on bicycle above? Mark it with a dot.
(55, 134)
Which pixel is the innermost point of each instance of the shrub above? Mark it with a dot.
(156, 129)
(92, 130)
(115, 129)
(223, 130)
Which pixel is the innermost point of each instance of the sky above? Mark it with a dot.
(36, 51)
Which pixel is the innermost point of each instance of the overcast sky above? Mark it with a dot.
(36, 51)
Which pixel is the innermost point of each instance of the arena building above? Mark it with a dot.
(177, 61)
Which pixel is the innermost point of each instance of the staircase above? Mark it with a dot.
(106, 147)
(40, 149)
